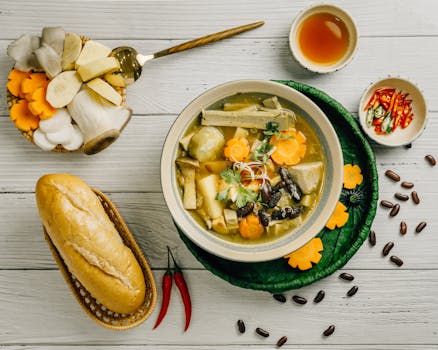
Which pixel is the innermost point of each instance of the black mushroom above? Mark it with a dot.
(245, 210)
(264, 217)
(287, 212)
(291, 187)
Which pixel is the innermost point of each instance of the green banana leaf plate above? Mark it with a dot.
(340, 244)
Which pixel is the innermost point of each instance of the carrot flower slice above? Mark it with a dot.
(22, 117)
(339, 217)
(236, 149)
(352, 176)
(290, 147)
(15, 79)
(250, 227)
(306, 255)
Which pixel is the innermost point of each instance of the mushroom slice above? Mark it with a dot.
(59, 121)
(49, 60)
(40, 139)
(54, 37)
(77, 140)
(63, 136)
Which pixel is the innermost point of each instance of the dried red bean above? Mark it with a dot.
(394, 211)
(401, 196)
(329, 331)
(318, 298)
(387, 248)
(407, 184)
(415, 198)
(396, 260)
(372, 238)
(386, 204)
(281, 341)
(262, 332)
(279, 297)
(430, 159)
(346, 276)
(352, 291)
(392, 175)
(403, 228)
(420, 227)
(299, 300)
(241, 326)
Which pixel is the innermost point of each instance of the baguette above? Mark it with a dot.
(88, 242)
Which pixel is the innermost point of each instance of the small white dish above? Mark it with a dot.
(315, 66)
(400, 136)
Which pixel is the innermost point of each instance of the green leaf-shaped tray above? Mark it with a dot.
(340, 244)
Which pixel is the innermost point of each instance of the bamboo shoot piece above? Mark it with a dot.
(98, 67)
(105, 90)
(185, 141)
(63, 88)
(92, 51)
(272, 102)
(251, 120)
(208, 187)
(72, 50)
(188, 169)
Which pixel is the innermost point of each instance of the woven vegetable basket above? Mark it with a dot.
(28, 135)
(91, 306)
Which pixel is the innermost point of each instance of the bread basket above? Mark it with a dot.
(91, 306)
(28, 135)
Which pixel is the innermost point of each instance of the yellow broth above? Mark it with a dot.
(314, 153)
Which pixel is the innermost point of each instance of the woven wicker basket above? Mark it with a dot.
(92, 307)
(28, 135)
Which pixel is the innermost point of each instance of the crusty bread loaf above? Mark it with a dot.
(88, 242)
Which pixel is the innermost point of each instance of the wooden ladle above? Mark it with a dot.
(131, 62)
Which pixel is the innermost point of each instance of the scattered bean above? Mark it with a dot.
(275, 198)
(281, 341)
(241, 326)
(386, 204)
(319, 296)
(430, 159)
(396, 260)
(278, 186)
(394, 211)
(408, 146)
(415, 197)
(372, 238)
(265, 192)
(407, 184)
(245, 210)
(299, 300)
(420, 227)
(329, 331)
(279, 297)
(264, 218)
(401, 196)
(262, 332)
(352, 291)
(291, 187)
(403, 228)
(392, 175)
(387, 248)
(346, 276)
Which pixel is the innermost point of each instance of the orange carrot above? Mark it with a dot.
(250, 227)
(22, 117)
(32, 83)
(39, 105)
(290, 148)
(14, 83)
(236, 149)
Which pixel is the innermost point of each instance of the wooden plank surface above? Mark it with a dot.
(392, 307)
(215, 347)
(150, 222)
(169, 83)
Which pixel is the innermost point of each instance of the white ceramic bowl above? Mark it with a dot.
(332, 182)
(400, 136)
(315, 66)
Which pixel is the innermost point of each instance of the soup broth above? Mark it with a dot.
(250, 168)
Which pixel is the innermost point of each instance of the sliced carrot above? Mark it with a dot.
(352, 176)
(250, 227)
(306, 255)
(14, 83)
(39, 105)
(22, 117)
(290, 148)
(30, 84)
(339, 217)
(237, 149)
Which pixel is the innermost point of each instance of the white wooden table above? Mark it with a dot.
(395, 308)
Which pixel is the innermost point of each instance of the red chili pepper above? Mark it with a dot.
(373, 99)
(167, 287)
(183, 289)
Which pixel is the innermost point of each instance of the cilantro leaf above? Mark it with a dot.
(262, 152)
(230, 176)
(223, 195)
(271, 129)
(244, 196)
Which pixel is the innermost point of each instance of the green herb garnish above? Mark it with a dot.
(244, 196)
(230, 176)
(223, 195)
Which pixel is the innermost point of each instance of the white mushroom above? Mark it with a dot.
(100, 123)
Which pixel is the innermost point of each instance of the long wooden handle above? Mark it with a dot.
(208, 39)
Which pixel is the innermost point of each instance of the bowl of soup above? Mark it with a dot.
(251, 170)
